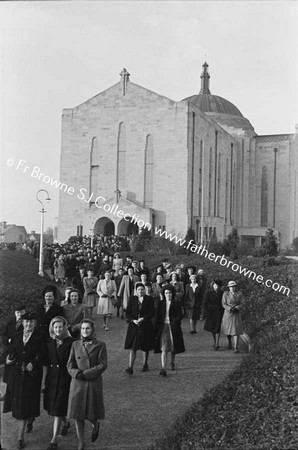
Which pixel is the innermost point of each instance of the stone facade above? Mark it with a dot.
(131, 157)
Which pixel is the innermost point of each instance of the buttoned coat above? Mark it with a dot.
(175, 316)
(7, 337)
(124, 288)
(194, 300)
(86, 396)
(23, 388)
(232, 323)
(140, 337)
(44, 317)
(57, 381)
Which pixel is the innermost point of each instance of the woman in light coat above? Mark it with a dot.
(232, 320)
(90, 296)
(87, 361)
(107, 292)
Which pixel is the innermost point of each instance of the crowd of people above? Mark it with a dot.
(54, 349)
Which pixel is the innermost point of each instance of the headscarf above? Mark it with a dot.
(65, 333)
(92, 336)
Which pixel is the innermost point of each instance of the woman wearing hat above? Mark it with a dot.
(87, 361)
(57, 379)
(49, 310)
(169, 337)
(107, 291)
(232, 321)
(140, 333)
(213, 311)
(90, 296)
(74, 311)
(26, 356)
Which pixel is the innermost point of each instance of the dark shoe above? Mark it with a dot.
(21, 443)
(29, 427)
(216, 347)
(163, 373)
(64, 429)
(236, 350)
(52, 446)
(194, 332)
(173, 366)
(129, 371)
(95, 432)
(145, 368)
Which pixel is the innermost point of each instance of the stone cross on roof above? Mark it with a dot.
(125, 78)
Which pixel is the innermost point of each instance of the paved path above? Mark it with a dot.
(198, 369)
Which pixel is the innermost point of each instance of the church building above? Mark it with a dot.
(132, 158)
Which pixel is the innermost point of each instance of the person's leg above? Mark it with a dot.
(21, 430)
(217, 336)
(172, 360)
(132, 358)
(191, 325)
(194, 325)
(56, 429)
(230, 341)
(145, 361)
(80, 429)
(95, 431)
(214, 339)
(236, 339)
(107, 322)
(164, 359)
(104, 320)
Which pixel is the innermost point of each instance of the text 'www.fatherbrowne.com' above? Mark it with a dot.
(201, 250)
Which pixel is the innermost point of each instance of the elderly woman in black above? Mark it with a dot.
(57, 380)
(213, 311)
(140, 333)
(26, 356)
(49, 310)
(169, 337)
(87, 362)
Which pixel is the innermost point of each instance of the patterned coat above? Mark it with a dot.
(86, 396)
(90, 294)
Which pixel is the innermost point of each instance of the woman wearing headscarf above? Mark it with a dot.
(87, 361)
(26, 356)
(49, 310)
(140, 332)
(232, 320)
(57, 380)
(213, 311)
(74, 311)
(169, 337)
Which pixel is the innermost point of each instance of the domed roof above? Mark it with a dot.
(211, 104)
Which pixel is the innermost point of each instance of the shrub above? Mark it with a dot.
(271, 244)
(231, 243)
(141, 241)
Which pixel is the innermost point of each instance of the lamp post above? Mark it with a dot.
(40, 267)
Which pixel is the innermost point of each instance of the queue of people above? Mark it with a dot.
(55, 349)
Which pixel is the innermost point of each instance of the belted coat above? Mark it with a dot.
(175, 316)
(85, 399)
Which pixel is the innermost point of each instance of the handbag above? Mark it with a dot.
(234, 310)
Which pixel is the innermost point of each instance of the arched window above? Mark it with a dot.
(121, 158)
(264, 197)
(94, 168)
(148, 175)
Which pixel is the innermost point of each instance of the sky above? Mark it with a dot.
(56, 55)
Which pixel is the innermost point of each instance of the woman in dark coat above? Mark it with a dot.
(87, 361)
(57, 379)
(194, 300)
(49, 310)
(26, 356)
(169, 337)
(140, 332)
(213, 311)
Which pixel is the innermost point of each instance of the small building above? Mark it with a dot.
(12, 233)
